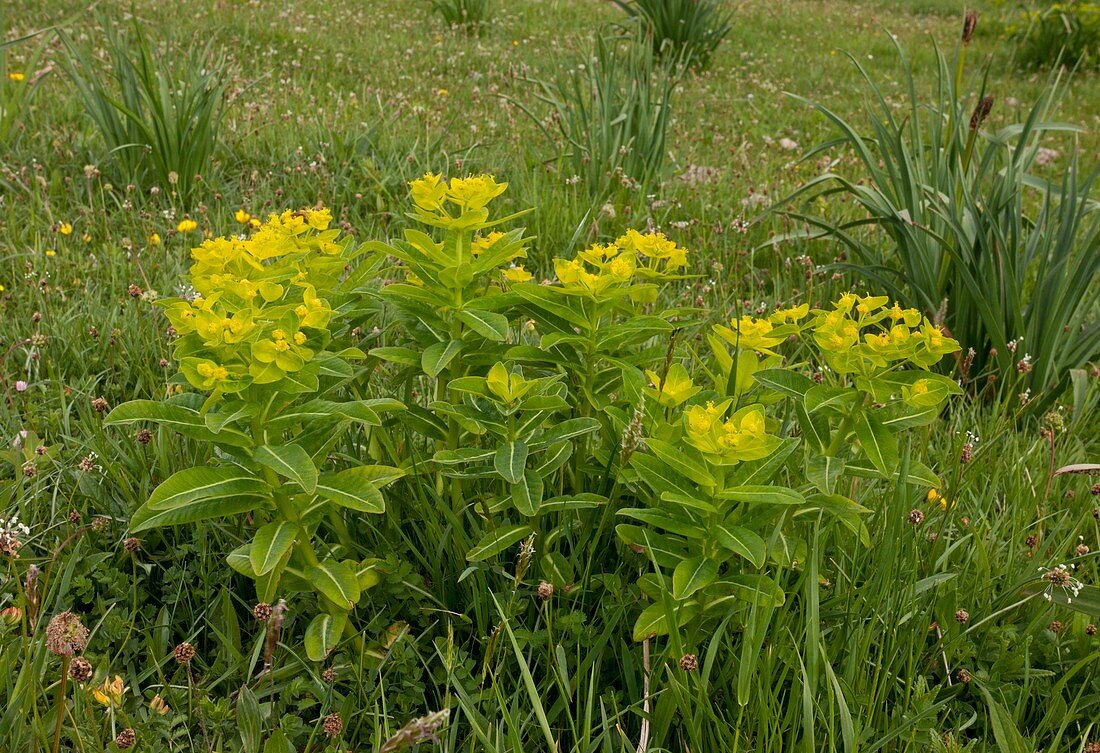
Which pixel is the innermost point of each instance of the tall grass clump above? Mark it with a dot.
(688, 31)
(159, 115)
(1066, 33)
(962, 228)
(465, 14)
(612, 115)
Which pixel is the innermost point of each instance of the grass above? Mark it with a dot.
(342, 102)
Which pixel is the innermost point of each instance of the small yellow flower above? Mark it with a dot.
(50, 252)
(87, 237)
(516, 274)
(443, 92)
(933, 495)
(154, 239)
(17, 76)
(2, 288)
(253, 222)
(186, 226)
(65, 228)
(110, 692)
(242, 216)
(158, 705)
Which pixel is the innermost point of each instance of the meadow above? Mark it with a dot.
(551, 377)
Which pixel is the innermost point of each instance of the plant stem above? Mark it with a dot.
(60, 702)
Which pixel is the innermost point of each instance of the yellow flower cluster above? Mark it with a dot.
(740, 437)
(749, 333)
(676, 387)
(260, 311)
(862, 334)
(460, 203)
(624, 266)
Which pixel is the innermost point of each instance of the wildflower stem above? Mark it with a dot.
(61, 687)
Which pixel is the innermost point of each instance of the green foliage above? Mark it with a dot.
(159, 115)
(1066, 33)
(469, 15)
(687, 31)
(966, 231)
(612, 115)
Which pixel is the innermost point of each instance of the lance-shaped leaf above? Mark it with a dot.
(323, 634)
(336, 581)
(488, 324)
(438, 355)
(178, 418)
(204, 482)
(742, 541)
(271, 544)
(878, 443)
(497, 540)
(289, 461)
(692, 574)
(145, 517)
(354, 488)
(510, 460)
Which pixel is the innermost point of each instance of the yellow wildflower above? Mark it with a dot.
(154, 239)
(158, 705)
(516, 274)
(676, 388)
(429, 192)
(110, 692)
(17, 76)
(186, 226)
(65, 228)
(242, 216)
(748, 333)
(50, 252)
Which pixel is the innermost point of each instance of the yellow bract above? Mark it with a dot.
(623, 267)
(676, 387)
(261, 311)
(741, 437)
(457, 204)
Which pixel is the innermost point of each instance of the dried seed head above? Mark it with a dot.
(546, 590)
(689, 663)
(1031, 541)
(329, 675)
(1093, 747)
(963, 676)
(981, 112)
(126, 738)
(962, 616)
(1056, 626)
(1090, 629)
(262, 611)
(74, 516)
(81, 669)
(66, 635)
(100, 405)
(333, 725)
(144, 436)
(99, 522)
(131, 544)
(970, 23)
(184, 653)
(916, 517)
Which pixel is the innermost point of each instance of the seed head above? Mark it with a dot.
(546, 590)
(66, 635)
(689, 663)
(329, 675)
(916, 517)
(981, 113)
(126, 738)
(131, 544)
(963, 676)
(100, 404)
(261, 611)
(333, 725)
(969, 24)
(184, 653)
(1090, 629)
(81, 669)
(144, 436)
(962, 616)
(1056, 627)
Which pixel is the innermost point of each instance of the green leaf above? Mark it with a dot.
(764, 495)
(527, 494)
(248, 721)
(490, 325)
(653, 621)
(438, 355)
(355, 488)
(205, 482)
(823, 396)
(681, 525)
(272, 542)
(289, 461)
(316, 410)
(659, 477)
(146, 518)
(785, 381)
(878, 443)
(692, 574)
(510, 461)
(335, 581)
(497, 540)
(278, 743)
(178, 418)
(684, 460)
(323, 635)
(748, 587)
(742, 541)
(823, 471)
(1006, 734)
